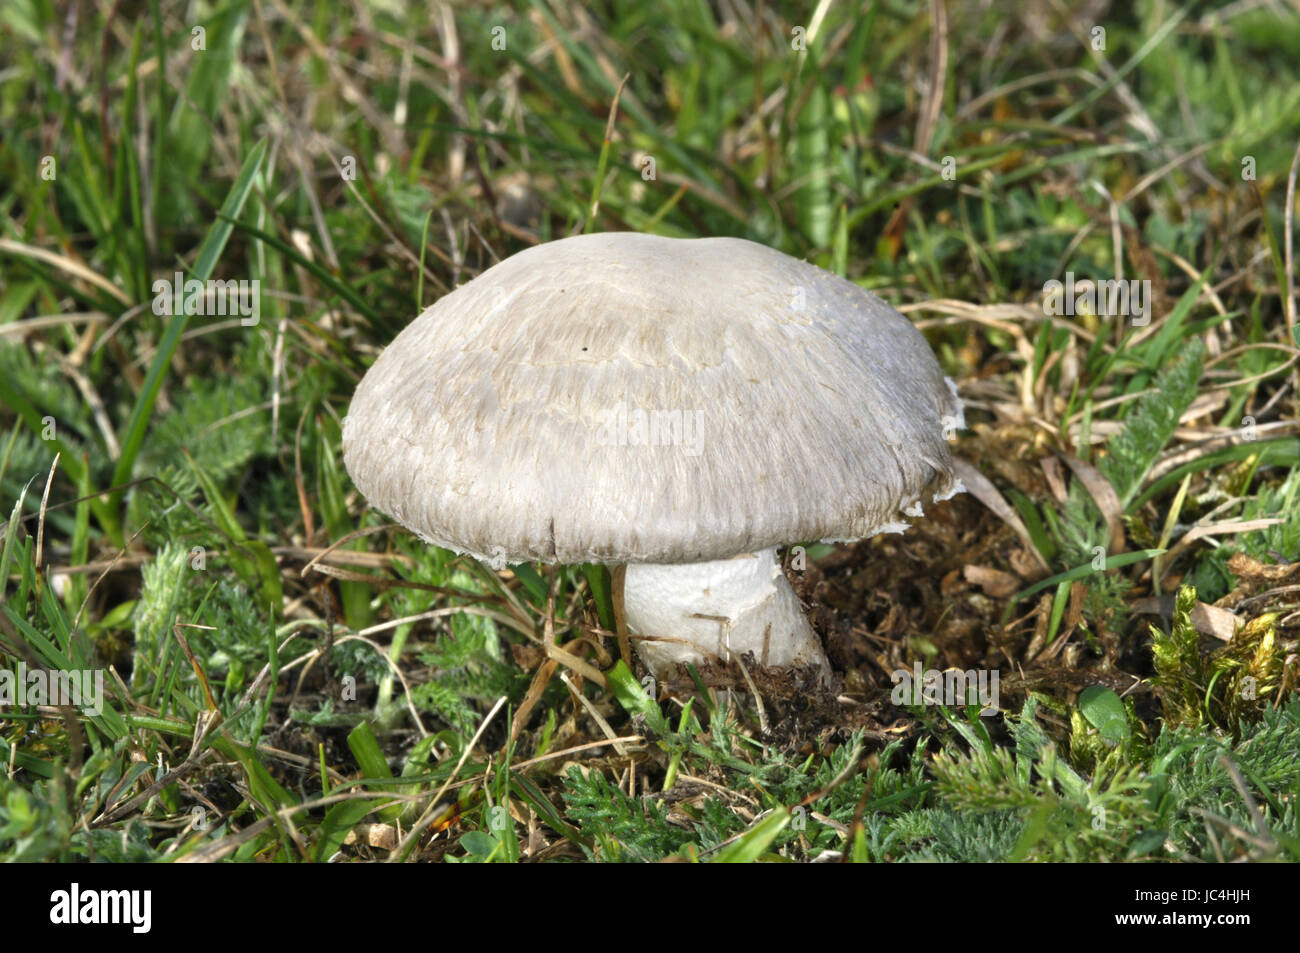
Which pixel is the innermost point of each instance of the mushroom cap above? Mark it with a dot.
(622, 397)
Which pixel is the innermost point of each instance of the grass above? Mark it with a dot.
(290, 677)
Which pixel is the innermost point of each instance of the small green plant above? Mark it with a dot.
(1224, 687)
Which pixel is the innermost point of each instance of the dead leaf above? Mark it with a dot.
(1023, 564)
(1207, 619)
(1051, 468)
(1251, 571)
(994, 582)
(978, 485)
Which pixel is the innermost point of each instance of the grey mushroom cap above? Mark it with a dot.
(622, 398)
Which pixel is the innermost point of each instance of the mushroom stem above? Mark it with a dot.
(714, 611)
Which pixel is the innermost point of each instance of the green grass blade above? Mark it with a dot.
(209, 252)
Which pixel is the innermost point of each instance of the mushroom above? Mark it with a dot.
(679, 406)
